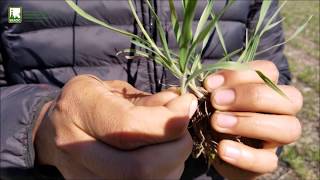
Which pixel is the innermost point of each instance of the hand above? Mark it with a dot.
(249, 108)
(98, 129)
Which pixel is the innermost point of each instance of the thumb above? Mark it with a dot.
(178, 105)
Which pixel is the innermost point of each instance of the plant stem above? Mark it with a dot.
(183, 87)
(196, 90)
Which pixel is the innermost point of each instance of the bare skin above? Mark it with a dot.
(108, 129)
(100, 130)
(255, 111)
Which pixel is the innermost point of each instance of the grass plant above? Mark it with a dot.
(186, 64)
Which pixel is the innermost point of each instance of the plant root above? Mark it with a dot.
(205, 138)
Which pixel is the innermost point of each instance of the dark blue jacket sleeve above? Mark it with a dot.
(20, 105)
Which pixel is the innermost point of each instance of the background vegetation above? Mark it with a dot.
(302, 159)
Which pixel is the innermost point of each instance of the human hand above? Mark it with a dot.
(108, 129)
(246, 107)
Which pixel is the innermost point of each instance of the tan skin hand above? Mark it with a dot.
(97, 125)
(108, 129)
(248, 108)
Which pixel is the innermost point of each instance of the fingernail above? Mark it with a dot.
(224, 96)
(193, 108)
(231, 152)
(226, 121)
(215, 81)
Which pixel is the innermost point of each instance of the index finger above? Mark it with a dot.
(229, 78)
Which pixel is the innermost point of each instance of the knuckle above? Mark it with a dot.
(62, 105)
(267, 67)
(62, 140)
(255, 92)
(59, 142)
(274, 72)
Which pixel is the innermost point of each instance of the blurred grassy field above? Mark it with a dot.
(302, 159)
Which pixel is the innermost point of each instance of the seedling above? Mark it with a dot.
(186, 64)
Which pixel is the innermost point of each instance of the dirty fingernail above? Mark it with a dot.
(215, 81)
(226, 120)
(193, 108)
(224, 96)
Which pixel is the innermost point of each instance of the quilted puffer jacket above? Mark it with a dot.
(40, 56)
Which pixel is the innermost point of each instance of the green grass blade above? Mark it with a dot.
(204, 17)
(174, 20)
(135, 53)
(275, 14)
(186, 32)
(221, 39)
(263, 12)
(161, 31)
(195, 63)
(252, 50)
(146, 35)
(212, 24)
(144, 46)
(147, 47)
(247, 37)
(294, 35)
(230, 65)
(219, 64)
(184, 4)
(269, 83)
(158, 59)
(205, 33)
(270, 26)
(87, 16)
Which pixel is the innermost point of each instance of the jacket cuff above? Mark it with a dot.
(20, 107)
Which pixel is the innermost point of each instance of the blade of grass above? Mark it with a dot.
(230, 65)
(275, 14)
(271, 26)
(294, 35)
(221, 39)
(87, 16)
(159, 60)
(263, 12)
(204, 18)
(146, 35)
(146, 47)
(269, 83)
(186, 32)
(205, 33)
(174, 20)
(218, 65)
(160, 31)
